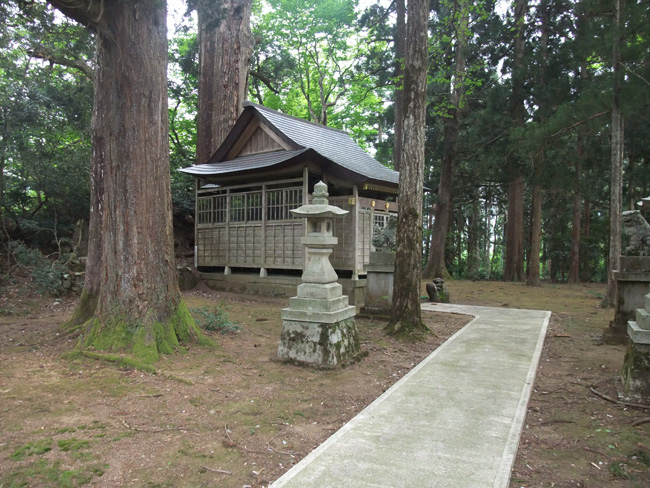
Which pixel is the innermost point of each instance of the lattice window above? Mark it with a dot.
(219, 206)
(379, 221)
(279, 202)
(254, 207)
(246, 207)
(204, 210)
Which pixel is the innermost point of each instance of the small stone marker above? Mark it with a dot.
(318, 327)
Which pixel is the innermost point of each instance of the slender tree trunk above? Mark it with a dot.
(574, 258)
(514, 265)
(616, 171)
(585, 254)
(436, 263)
(131, 293)
(225, 48)
(532, 274)
(473, 236)
(532, 277)
(400, 52)
(406, 314)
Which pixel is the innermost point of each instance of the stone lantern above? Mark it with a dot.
(318, 327)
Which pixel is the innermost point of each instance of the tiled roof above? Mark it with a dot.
(332, 144)
(245, 163)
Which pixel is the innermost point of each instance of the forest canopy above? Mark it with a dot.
(519, 96)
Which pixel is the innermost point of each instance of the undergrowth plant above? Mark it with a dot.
(214, 319)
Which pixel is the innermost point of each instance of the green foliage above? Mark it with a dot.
(45, 109)
(215, 319)
(47, 276)
(73, 444)
(35, 448)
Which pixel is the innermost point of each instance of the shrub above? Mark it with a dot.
(214, 319)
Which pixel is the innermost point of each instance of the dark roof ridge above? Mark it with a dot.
(248, 103)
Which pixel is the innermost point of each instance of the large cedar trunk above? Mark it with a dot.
(514, 265)
(225, 47)
(400, 52)
(532, 276)
(131, 299)
(436, 266)
(406, 314)
(616, 171)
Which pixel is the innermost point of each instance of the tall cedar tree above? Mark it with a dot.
(406, 315)
(443, 211)
(514, 265)
(400, 54)
(225, 47)
(131, 300)
(616, 171)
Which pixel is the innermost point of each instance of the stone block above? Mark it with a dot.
(643, 319)
(323, 291)
(637, 334)
(319, 317)
(635, 263)
(324, 345)
(318, 305)
(636, 371)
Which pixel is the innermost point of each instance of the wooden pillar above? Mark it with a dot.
(263, 233)
(355, 232)
(305, 201)
(226, 270)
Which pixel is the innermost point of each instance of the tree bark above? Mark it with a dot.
(574, 256)
(131, 300)
(616, 170)
(436, 266)
(400, 52)
(225, 48)
(514, 265)
(406, 315)
(532, 276)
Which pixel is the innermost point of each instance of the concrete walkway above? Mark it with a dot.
(453, 421)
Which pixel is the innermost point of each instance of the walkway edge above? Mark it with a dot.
(512, 444)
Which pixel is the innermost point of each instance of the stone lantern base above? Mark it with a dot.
(636, 366)
(318, 327)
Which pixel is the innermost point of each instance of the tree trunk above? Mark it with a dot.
(473, 236)
(574, 258)
(436, 264)
(585, 255)
(532, 274)
(225, 48)
(131, 295)
(514, 266)
(616, 171)
(406, 314)
(400, 53)
(532, 277)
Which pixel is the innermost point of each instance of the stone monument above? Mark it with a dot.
(633, 277)
(438, 291)
(381, 270)
(318, 327)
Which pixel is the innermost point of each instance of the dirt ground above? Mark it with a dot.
(235, 417)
